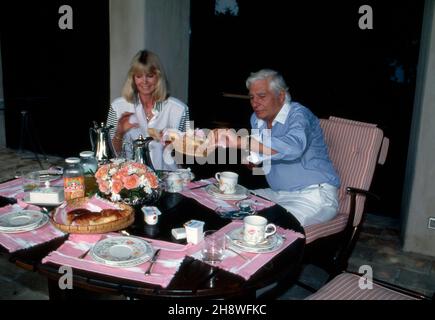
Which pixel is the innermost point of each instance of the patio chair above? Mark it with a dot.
(355, 148)
(352, 286)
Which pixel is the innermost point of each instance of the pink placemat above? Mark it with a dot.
(14, 188)
(169, 260)
(245, 268)
(23, 240)
(206, 199)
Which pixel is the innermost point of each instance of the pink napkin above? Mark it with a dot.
(95, 204)
(14, 188)
(168, 262)
(206, 199)
(234, 263)
(17, 241)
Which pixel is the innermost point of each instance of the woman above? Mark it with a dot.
(145, 103)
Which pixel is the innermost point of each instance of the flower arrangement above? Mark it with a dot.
(130, 182)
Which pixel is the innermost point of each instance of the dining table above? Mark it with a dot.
(191, 278)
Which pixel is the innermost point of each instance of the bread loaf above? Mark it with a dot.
(84, 217)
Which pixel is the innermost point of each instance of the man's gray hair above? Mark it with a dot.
(276, 81)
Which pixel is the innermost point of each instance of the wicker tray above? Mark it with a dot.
(100, 228)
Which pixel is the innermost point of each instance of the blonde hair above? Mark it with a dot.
(145, 61)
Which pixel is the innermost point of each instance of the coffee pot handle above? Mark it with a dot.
(91, 137)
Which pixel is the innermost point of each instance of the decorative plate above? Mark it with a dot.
(122, 251)
(270, 244)
(240, 194)
(11, 223)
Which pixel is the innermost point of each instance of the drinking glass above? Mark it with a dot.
(213, 247)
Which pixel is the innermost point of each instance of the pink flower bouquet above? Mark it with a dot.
(129, 182)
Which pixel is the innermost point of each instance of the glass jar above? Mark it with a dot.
(88, 162)
(73, 179)
(90, 165)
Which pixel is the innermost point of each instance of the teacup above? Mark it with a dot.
(256, 229)
(227, 181)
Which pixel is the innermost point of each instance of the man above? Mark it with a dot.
(302, 178)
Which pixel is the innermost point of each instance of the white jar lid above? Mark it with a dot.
(72, 160)
(86, 154)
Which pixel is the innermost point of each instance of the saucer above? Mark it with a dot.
(122, 251)
(18, 222)
(240, 194)
(270, 244)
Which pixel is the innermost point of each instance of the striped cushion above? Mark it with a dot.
(320, 230)
(346, 287)
(353, 149)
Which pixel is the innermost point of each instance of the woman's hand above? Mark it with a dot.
(124, 123)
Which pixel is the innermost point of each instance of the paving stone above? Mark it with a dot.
(34, 281)
(412, 280)
(401, 260)
(390, 233)
(362, 252)
(371, 230)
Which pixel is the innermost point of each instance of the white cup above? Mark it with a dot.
(174, 182)
(227, 181)
(256, 229)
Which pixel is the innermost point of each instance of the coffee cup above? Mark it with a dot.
(227, 181)
(256, 229)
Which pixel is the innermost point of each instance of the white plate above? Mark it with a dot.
(41, 223)
(270, 244)
(240, 194)
(20, 219)
(122, 251)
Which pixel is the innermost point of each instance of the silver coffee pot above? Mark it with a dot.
(101, 142)
(141, 151)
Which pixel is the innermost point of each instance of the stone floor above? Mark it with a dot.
(378, 246)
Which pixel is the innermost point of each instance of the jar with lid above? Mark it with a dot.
(73, 179)
(90, 165)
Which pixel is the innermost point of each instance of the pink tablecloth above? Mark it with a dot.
(23, 240)
(169, 260)
(245, 268)
(206, 199)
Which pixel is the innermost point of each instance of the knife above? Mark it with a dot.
(153, 260)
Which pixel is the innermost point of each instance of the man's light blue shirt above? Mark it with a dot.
(302, 156)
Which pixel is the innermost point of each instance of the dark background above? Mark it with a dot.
(331, 66)
(61, 77)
